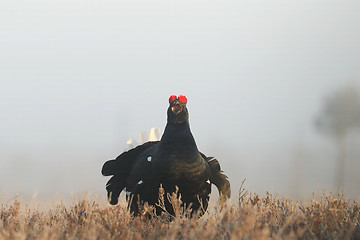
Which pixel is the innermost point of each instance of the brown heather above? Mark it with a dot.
(252, 217)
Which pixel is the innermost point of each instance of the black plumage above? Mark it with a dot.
(172, 161)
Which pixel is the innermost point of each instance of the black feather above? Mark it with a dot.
(174, 163)
(123, 162)
(120, 168)
(218, 178)
(114, 187)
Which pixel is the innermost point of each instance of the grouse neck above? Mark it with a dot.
(178, 134)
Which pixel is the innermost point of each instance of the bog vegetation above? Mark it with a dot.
(251, 217)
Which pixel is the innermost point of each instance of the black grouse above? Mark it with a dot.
(173, 162)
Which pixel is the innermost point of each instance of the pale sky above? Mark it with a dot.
(79, 78)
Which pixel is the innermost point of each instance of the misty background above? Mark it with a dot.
(80, 78)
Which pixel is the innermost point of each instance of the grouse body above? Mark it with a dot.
(173, 162)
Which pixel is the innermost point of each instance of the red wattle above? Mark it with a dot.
(172, 98)
(182, 99)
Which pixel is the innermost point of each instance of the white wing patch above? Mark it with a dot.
(140, 182)
(149, 158)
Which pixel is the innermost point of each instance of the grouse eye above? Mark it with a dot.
(182, 99)
(172, 98)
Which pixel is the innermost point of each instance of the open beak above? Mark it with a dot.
(177, 108)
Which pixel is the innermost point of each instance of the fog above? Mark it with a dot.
(80, 78)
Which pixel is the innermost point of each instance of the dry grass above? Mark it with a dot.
(252, 217)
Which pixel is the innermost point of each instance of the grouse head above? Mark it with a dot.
(177, 111)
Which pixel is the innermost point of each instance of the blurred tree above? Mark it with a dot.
(340, 115)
